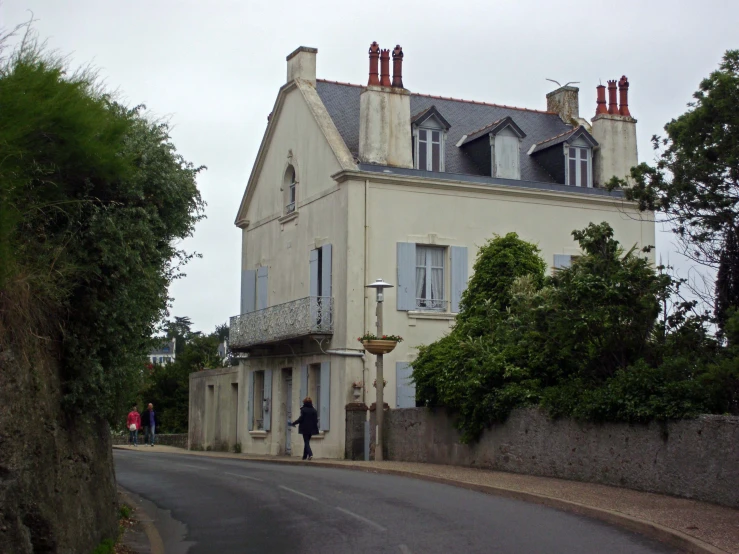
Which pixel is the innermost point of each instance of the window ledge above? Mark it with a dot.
(289, 217)
(422, 314)
(258, 434)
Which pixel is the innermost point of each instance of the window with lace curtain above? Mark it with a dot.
(430, 278)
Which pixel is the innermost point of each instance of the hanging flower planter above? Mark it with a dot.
(379, 345)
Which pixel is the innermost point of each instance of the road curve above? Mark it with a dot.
(232, 506)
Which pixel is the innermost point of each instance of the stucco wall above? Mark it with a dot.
(690, 458)
(427, 214)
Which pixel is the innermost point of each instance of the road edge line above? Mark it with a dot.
(155, 539)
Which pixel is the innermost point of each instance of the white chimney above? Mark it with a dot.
(301, 64)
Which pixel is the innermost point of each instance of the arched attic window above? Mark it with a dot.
(290, 190)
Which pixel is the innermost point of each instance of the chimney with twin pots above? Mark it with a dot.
(385, 112)
(615, 130)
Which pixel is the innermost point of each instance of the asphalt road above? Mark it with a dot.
(233, 506)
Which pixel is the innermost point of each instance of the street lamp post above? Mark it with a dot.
(379, 287)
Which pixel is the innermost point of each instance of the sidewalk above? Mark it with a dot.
(689, 525)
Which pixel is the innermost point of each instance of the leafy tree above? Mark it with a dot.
(585, 342)
(727, 279)
(460, 370)
(695, 182)
(167, 385)
(93, 198)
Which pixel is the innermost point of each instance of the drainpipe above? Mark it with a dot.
(366, 299)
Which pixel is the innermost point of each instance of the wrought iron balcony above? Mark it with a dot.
(312, 315)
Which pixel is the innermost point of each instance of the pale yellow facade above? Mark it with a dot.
(363, 215)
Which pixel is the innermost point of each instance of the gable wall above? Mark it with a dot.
(284, 247)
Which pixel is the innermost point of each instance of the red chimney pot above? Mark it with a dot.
(623, 92)
(601, 101)
(374, 56)
(398, 66)
(612, 102)
(385, 68)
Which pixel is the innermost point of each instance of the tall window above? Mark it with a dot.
(430, 278)
(290, 188)
(258, 399)
(578, 168)
(429, 150)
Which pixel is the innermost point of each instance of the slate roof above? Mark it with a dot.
(564, 137)
(494, 127)
(464, 116)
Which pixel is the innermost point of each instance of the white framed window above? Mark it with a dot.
(579, 167)
(430, 268)
(429, 149)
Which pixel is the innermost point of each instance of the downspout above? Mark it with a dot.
(366, 280)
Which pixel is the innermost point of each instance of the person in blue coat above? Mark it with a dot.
(307, 425)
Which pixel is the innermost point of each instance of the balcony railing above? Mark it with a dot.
(312, 315)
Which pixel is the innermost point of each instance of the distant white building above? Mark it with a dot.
(165, 354)
(354, 183)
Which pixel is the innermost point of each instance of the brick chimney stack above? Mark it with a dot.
(601, 102)
(385, 68)
(612, 102)
(374, 60)
(615, 131)
(385, 113)
(398, 67)
(623, 92)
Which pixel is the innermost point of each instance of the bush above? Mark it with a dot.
(585, 342)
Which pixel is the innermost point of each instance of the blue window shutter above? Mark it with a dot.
(250, 402)
(262, 288)
(562, 261)
(326, 251)
(303, 383)
(248, 290)
(314, 273)
(406, 388)
(406, 292)
(460, 274)
(325, 399)
(267, 416)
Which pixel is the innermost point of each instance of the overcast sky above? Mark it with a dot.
(214, 67)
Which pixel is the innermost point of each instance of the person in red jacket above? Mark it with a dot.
(133, 422)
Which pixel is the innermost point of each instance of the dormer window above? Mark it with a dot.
(579, 167)
(429, 150)
(567, 157)
(429, 140)
(496, 148)
(505, 148)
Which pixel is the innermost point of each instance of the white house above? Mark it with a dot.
(354, 183)
(164, 353)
